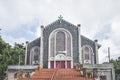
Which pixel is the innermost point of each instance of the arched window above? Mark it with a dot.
(87, 54)
(60, 41)
(35, 55)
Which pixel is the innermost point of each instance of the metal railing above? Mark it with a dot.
(55, 72)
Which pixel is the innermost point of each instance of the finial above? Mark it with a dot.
(60, 17)
(42, 26)
(79, 25)
(96, 40)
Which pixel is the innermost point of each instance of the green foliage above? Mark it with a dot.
(9, 56)
(116, 63)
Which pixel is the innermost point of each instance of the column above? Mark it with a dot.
(54, 64)
(26, 53)
(66, 64)
(49, 64)
(79, 43)
(41, 48)
(10, 76)
(96, 51)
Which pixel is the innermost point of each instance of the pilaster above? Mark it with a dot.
(41, 48)
(26, 52)
(79, 43)
(96, 51)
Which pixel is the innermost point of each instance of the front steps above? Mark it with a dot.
(56, 74)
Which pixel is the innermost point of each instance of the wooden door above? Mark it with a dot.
(68, 64)
(52, 64)
(60, 64)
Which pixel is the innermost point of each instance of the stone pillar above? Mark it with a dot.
(10, 76)
(96, 51)
(66, 64)
(113, 72)
(79, 43)
(54, 64)
(41, 48)
(26, 53)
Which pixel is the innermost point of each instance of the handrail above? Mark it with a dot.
(53, 76)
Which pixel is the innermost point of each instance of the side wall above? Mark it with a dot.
(86, 41)
(30, 46)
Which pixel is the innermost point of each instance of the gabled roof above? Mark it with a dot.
(38, 39)
(60, 20)
(90, 40)
(34, 42)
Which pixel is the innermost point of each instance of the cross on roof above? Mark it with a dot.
(60, 17)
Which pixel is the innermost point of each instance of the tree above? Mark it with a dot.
(116, 63)
(4, 57)
(10, 56)
(17, 51)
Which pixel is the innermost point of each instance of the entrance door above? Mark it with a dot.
(60, 64)
(68, 64)
(52, 64)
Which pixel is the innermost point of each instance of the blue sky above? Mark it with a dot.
(20, 20)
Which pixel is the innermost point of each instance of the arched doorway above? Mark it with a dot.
(60, 49)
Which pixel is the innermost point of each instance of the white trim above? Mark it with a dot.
(54, 33)
(41, 48)
(79, 45)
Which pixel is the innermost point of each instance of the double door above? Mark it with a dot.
(60, 64)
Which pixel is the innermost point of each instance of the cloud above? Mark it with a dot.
(21, 19)
(109, 37)
(12, 40)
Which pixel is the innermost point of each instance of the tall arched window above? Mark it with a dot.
(35, 55)
(60, 41)
(86, 53)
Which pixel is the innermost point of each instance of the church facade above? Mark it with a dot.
(61, 43)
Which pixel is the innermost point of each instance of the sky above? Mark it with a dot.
(20, 20)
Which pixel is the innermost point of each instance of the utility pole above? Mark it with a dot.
(19, 60)
(109, 54)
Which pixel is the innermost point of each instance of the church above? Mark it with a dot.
(61, 45)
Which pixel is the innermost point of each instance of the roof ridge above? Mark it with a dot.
(60, 19)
